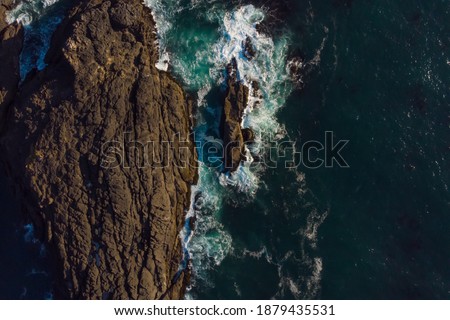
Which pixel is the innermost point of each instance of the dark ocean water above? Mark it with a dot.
(24, 271)
(383, 83)
(376, 73)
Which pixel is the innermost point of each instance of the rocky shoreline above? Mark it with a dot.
(112, 230)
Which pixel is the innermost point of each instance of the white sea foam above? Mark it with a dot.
(313, 284)
(201, 95)
(209, 243)
(163, 12)
(26, 11)
(262, 253)
(314, 221)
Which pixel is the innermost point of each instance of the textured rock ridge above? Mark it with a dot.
(236, 99)
(109, 208)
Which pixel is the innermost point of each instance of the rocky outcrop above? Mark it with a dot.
(249, 49)
(11, 40)
(236, 99)
(248, 135)
(85, 143)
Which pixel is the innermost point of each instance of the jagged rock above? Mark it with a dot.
(255, 87)
(249, 49)
(248, 135)
(256, 93)
(236, 99)
(11, 37)
(74, 146)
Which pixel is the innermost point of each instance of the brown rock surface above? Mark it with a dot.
(111, 221)
(5, 5)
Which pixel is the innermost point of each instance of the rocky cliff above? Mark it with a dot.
(84, 141)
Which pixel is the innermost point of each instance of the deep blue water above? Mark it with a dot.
(24, 271)
(383, 83)
(374, 73)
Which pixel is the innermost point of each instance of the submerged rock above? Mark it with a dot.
(74, 145)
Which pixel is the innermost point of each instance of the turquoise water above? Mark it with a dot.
(376, 74)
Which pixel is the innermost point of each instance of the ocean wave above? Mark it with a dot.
(27, 11)
(209, 242)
